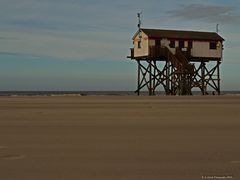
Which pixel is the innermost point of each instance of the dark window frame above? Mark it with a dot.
(213, 45)
(172, 44)
(139, 44)
(158, 42)
(190, 44)
(181, 44)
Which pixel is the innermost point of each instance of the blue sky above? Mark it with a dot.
(83, 44)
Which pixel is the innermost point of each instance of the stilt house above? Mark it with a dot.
(181, 49)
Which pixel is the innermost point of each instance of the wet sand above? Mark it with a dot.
(119, 138)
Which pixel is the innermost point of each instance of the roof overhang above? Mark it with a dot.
(176, 34)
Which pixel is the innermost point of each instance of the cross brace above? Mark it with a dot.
(153, 74)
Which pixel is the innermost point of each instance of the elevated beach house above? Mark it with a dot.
(186, 54)
(148, 43)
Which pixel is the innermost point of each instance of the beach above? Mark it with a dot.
(119, 137)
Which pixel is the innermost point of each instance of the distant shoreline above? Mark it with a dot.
(94, 93)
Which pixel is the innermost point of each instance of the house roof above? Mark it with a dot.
(176, 34)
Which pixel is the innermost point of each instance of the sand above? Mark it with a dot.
(119, 138)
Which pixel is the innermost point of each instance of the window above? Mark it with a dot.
(190, 44)
(172, 44)
(181, 44)
(212, 45)
(139, 44)
(158, 42)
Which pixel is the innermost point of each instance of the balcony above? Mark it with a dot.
(156, 52)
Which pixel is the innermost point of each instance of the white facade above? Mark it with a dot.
(144, 45)
(200, 49)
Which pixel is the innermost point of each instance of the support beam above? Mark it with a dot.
(218, 77)
(207, 78)
(138, 84)
(150, 78)
(153, 74)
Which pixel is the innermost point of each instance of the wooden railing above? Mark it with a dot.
(185, 62)
(157, 52)
(174, 60)
(187, 53)
(181, 57)
(178, 60)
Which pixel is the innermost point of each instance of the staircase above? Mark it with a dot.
(180, 62)
(177, 78)
(184, 71)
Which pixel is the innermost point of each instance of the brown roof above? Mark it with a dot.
(175, 34)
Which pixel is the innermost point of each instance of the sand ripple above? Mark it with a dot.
(13, 156)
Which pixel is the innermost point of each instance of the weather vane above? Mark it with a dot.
(139, 20)
(217, 28)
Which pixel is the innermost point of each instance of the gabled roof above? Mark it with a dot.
(176, 34)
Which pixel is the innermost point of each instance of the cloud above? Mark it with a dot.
(66, 29)
(66, 45)
(88, 29)
(14, 54)
(207, 13)
(8, 38)
(64, 15)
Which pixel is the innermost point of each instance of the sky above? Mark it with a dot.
(83, 44)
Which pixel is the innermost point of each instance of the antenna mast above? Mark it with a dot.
(139, 25)
(217, 28)
(139, 20)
